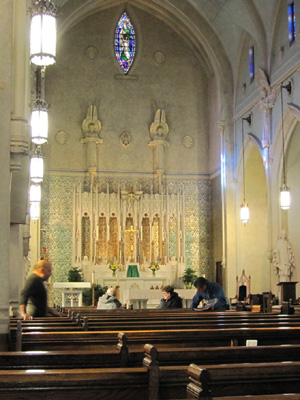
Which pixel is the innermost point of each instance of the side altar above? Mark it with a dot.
(71, 292)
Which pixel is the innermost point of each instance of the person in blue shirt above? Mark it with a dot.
(211, 292)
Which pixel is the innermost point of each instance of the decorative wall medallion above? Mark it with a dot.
(61, 137)
(159, 58)
(187, 142)
(91, 52)
(125, 139)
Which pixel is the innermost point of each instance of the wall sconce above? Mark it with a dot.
(285, 197)
(244, 212)
(39, 112)
(37, 166)
(43, 32)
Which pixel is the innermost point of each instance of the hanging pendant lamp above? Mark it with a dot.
(244, 212)
(43, 32)
(285, 197)
(34, 210)
(37, 166)
(39, 112)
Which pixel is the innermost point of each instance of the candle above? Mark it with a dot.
(93, 277)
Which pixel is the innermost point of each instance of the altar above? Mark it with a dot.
(129, 278)
(151, 298)
(71, 292)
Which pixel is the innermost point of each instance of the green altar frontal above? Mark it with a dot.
(132, 271)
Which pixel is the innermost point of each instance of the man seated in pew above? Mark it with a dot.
(209, 296)
(109, 300)
(170, 298)
(33, 300)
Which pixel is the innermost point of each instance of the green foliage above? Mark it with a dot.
(75, 275)
(87, 295)
(189, 277)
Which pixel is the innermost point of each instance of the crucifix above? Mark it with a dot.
(131, 232)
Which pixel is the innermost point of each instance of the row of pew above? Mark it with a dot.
(157, 354)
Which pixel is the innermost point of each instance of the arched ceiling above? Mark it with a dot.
(213, 28)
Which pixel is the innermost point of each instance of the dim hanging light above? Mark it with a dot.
(285, 197)
(244, 212)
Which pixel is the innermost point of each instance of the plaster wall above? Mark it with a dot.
(293, 171)
(252, 238)
(127, 102)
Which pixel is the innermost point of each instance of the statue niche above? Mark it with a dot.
(283, 258)
(91, 127)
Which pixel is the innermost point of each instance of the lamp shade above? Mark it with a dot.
(43, 33)
(39, 122)
(244, 213)
(35, 210)
(37, 167)
(285, 197)
(35, 194)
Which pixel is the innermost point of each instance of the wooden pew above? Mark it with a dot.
(163, 338)
(122, 355)
(214, 381)
(67, 384)
(222, 355)
(172, 365)
(284, 396)
(167, 382)
(160, 324)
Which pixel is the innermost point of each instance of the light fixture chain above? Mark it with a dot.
(282, 131)
(243, 161)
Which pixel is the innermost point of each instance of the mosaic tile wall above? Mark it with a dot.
(57, 221)
(216, 206)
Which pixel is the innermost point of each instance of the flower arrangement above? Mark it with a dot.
(154, 267)
(114, 268)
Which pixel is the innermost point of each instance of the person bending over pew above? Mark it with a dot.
(210, 296)
(109, 300)
(33, 301)
(170, 298)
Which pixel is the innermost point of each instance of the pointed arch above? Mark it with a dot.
(253, 235)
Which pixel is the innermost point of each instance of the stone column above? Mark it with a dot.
(19, 147)
(268, 97)
(20, 140)
(6, 23)
(16, 267)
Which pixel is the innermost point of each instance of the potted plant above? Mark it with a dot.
(87, 295)
(188, 278)
(75, 275)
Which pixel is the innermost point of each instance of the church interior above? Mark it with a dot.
(171, 146)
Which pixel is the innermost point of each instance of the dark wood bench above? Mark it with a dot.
(87, 384)
(222, 355)
(172, 364)
(284, 396)
(213, 381)
(182, 324)
(160, 338)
